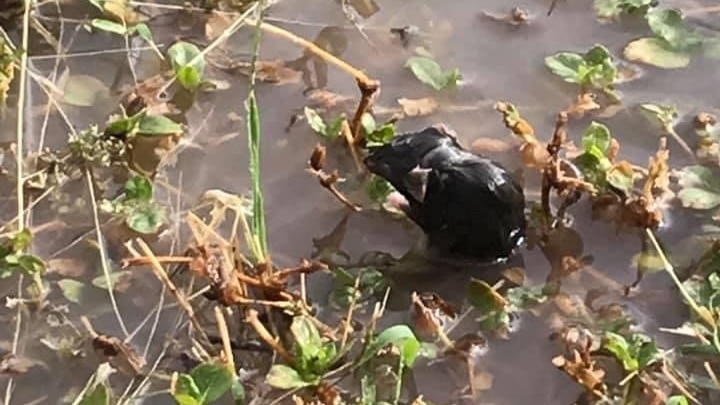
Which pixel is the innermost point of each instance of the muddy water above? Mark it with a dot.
(498, 62)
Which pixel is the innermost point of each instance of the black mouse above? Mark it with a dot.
(468, 205)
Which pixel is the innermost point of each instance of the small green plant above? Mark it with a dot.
(376, 135)
(496, 309)
(188, 64)
(635, 352)
(597, 168)
(313, 357)
(595, 69)
(205, 384)
(141, 212)
(14, 260)
(371, 281)
(429, 72)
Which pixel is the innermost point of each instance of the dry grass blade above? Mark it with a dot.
(160, 273)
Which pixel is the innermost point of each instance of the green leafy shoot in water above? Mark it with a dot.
(611, 9)
(378, 189)
(188, 64)
(329, 130)
(313, 357)
(429, 72)
(376, 136)
(704, 290)
(141, 212)
(495, 309)
(595, 165)
(634, 352)
(593, 70)
(370, 282)
(14, 260)
(205, 384)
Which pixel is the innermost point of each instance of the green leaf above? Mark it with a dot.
(648, 354)
(139, 188)
(284, 377)
(566, 65)
(669, 25)
(306, 335)
(602, 71)
(677, 400)
(254, 129)
(213, 380)
(381, 136)
(186, 392)
(663, 114)
(72, 290)
(596, 135)
(399, 335)
(238, 392)
(158, 125)
(99, 395)
(334, 128)
(315, 121)
(144, 31)
(368, 123)
(109, 26)
(482, 296)
(188, 64)
(378, 189)
(189, 77)
(620, 347)
(656, 52)
(429, 72)
(145, 218)
(21, 240)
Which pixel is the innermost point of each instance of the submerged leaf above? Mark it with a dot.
(700, 187)
(656, 52)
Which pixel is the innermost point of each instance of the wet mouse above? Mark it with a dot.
(469, 206)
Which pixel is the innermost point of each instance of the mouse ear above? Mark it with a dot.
(415, 183)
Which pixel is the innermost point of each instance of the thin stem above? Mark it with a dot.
(103, 254)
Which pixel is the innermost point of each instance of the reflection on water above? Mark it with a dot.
(497, 64)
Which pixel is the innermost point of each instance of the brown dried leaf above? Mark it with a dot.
(276, 72)
(216, 24)
(327, 99)
(118, 353)
(15, 365)
(418, 107)
(583, 103)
